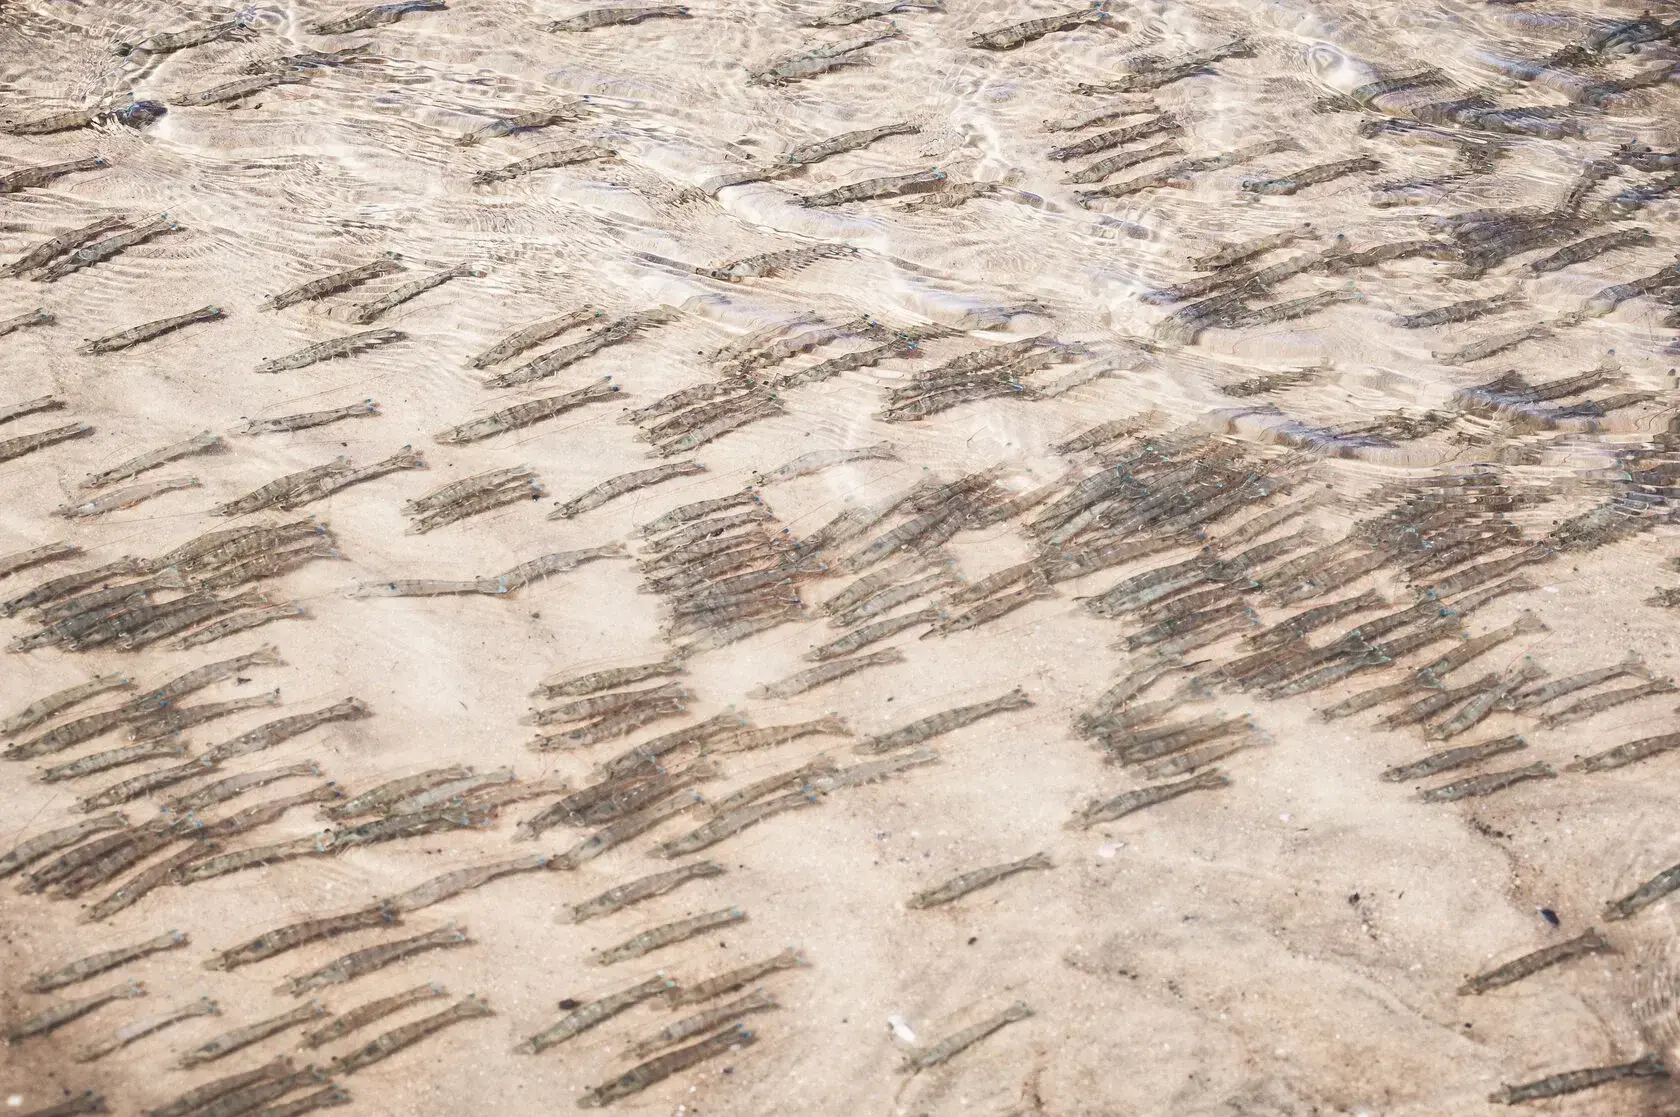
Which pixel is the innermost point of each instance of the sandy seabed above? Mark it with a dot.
(1129, 307)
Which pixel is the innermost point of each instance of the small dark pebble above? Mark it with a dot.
(568, 1004)
(1550, 916)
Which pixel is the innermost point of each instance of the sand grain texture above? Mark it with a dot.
(1382, 354)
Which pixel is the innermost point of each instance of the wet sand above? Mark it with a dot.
(1291, 943)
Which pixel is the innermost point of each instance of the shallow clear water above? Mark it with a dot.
(1290, 945)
